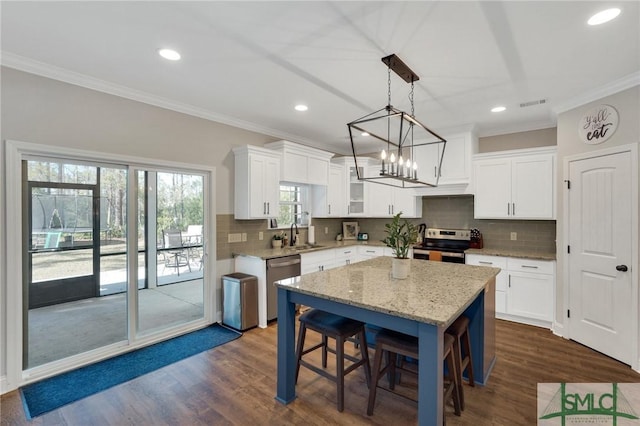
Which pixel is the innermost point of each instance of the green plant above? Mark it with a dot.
(279, 236)
(401, 235)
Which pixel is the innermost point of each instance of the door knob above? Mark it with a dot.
(622, 268)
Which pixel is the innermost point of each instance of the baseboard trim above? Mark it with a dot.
(522, 320)
(558, 330)
(4, 387)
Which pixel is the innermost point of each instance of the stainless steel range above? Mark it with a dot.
(446, 245)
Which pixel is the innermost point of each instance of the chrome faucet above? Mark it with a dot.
(292, 241)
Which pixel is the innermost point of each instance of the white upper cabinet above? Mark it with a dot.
(456, 163)
(329, 200)
(257, 182)
(302, 164)
(455, 171)
(355, 193)
(387, 201)
(515, 184)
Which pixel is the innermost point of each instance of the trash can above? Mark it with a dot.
(240, 301)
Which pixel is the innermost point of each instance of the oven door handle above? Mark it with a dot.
(449, 254)
(443, 253)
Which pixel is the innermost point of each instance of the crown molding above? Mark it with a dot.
(21, 63)
(614, 87)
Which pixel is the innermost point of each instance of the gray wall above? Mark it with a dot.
(522, 140)
(627, 103)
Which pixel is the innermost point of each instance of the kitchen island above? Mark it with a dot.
(423, 305)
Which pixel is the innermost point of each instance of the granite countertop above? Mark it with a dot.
(271, 253)
(435, 292)
(519, 253)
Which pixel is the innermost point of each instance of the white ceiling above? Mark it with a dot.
(248, 63)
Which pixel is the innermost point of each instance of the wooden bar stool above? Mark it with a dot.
(392, 344)
(460, 332)
(340, 329)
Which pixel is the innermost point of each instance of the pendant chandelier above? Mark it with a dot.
(409, 153)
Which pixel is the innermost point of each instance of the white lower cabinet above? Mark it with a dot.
(346, 256)
(525, 288)
(369, 252)
(531, 289)
(321, 260)
(501, 280)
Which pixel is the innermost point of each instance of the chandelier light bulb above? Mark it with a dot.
(383, 155)
(392, 158)
(400, 161)
(408, 163)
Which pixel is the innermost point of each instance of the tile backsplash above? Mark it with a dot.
(457, 212)
(437, 212)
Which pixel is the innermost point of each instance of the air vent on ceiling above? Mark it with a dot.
(532, 103)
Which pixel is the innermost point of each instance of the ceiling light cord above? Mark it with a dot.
(413, 115)
(388, 107)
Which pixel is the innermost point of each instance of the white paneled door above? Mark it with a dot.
(600, 259)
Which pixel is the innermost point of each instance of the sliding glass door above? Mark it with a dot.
(170, 233)
(78, 263)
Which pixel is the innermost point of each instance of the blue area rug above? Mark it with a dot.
(49, 394)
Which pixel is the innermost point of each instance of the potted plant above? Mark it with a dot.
(401, 235)
(276, 242)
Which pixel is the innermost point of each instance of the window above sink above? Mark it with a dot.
(293, 205)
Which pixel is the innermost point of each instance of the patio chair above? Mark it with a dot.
(52, 240)
(175, 254)
(193, 238)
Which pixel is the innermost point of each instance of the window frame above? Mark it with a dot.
(303, 190)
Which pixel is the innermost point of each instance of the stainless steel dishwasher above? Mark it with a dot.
(279, 268)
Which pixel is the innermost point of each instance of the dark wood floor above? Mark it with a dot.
(234, 384)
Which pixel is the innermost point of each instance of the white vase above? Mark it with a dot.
(276, 244)
(400, 268)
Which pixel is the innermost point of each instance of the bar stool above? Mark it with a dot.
(460, 332)
(392, 344)
(340, 329)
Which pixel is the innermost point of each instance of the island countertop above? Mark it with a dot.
(435, 292)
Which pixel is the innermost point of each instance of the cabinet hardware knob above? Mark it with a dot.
(622, 268)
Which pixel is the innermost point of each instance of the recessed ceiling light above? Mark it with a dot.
(498, 109)
(604, 16)
(169, 54)
(301, 107)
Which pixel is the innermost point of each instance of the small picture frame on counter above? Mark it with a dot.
(350, 230)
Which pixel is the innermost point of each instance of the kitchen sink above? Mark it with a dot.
(305, 247)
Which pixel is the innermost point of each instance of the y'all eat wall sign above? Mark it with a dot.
(598, 124)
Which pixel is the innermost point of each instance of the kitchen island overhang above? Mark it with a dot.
(423, 305)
